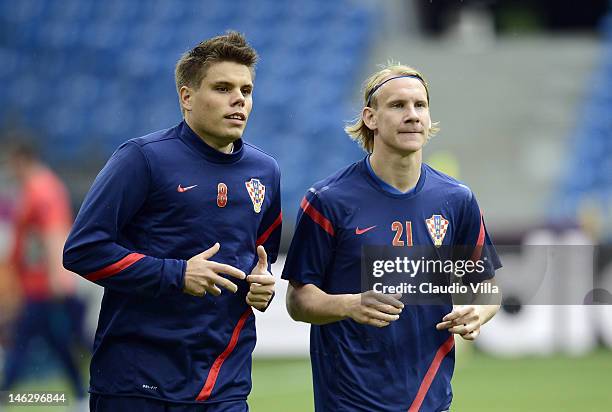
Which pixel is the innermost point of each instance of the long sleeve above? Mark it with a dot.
(270, 228)
(473, 242)
(97, 248)
(312, 246)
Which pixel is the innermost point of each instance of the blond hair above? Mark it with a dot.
(357, 129)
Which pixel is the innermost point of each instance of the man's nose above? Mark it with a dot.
(237, 98)
(411, 115)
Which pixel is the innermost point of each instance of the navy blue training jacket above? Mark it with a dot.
(160, 200)
(408, 365)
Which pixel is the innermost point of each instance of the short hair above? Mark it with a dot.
(24, 151)
(21, 144)
(233, 46)
(357, 129)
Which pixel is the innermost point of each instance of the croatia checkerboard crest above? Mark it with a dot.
(437, 226)
(257, 193)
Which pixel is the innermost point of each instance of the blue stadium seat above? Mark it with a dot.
(24, 12)
(81, 70)
(591, 148)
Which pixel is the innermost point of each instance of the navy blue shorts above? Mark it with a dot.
(105, 403)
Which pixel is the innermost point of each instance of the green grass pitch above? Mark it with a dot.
(481, 384)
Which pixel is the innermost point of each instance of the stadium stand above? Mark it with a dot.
(587, 182)
(88, 75)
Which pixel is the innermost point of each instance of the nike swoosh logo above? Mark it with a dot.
(181, 189)
(362, 231)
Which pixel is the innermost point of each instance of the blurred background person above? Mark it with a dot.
(50, 309)
(10, 292)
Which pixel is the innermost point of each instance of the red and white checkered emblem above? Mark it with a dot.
(257, 193)
(437, 226)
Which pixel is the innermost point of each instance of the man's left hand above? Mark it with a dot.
(261, 282)
(464, 321)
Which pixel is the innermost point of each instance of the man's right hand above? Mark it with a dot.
(203, 276)
(375, 309)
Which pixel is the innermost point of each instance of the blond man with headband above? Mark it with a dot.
(374, 351)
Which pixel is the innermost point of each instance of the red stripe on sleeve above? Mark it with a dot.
(115, 268)
(262, 239)
(480, 242)
(443, 350)
(216, 367)
(317, 216)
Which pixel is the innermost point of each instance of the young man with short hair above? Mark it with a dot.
(167, 218)
(369, 351)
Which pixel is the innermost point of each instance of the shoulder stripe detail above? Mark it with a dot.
(317, 217)
(216, 366)
(443, 350)
(115, 268)
(480, 242)
(265, 235)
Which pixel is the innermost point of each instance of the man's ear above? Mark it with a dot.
(368, 115)
(185, 95)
